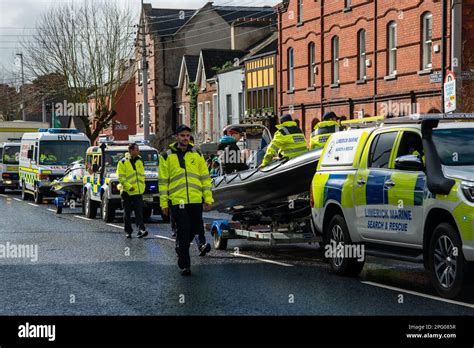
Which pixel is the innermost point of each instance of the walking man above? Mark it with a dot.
(131, 175)
(185, 181)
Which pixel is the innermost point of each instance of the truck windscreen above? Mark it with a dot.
(11, 154)
(61, 152)
(149, 157)
(455, 146)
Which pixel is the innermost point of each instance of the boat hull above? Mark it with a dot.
(255, 187)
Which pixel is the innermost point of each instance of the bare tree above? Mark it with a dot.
(87, 45)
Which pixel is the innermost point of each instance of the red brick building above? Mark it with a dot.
(124, 122)
(365, 58)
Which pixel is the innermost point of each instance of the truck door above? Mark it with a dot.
(405, 191)
(371, 198)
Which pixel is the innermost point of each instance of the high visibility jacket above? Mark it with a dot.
(184, 177)
(321, 133)
(288, 142)
(130, 178)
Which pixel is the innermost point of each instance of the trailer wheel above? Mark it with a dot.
(147, 213)
(219, 242)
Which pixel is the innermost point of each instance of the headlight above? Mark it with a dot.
(468, 190)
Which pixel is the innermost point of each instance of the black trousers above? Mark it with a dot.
(132, 203)
(189, 224)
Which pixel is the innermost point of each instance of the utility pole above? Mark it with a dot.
(146, 120)
(44, 111)
(23, 110)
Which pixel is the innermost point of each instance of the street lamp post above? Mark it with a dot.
(23, 110)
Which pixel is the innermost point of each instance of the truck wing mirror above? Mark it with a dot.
(409, 162)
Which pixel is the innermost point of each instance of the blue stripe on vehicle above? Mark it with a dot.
(374, 190)
(333, 187)
(420, 187)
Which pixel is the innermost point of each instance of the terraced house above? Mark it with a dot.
(174, 33)
(365, 58)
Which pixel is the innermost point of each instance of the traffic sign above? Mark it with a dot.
(450, 92)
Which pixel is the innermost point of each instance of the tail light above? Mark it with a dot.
(43, 176)
(6, 175)
(311, 197)
(115, 189)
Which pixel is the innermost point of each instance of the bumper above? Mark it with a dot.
(12, 184)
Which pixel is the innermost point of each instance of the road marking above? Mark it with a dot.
(421, 294)
(82, 217)
(51, 210)
(34, 205)
(18, 199)
(262, 260)
(115, 226)
(167, 238)
(3, 195)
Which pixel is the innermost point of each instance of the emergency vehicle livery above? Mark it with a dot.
(403, 190)
(44, 157)
(9, 159)
(101, 182)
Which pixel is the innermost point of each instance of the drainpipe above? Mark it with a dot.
(375, 58)
(443, 48)
(321, 45)
(456, 47)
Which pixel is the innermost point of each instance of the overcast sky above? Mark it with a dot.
(18, 19)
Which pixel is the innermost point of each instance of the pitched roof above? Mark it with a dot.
(191, 65)
(265, 46)
(213, 58)
(236, 13)
(167, 21)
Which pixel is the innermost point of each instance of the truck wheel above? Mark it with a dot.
(24, 194)
(90, 209)
(448, 269)
(106, 210)
(219, 242)
(147, 213)
(337, 237)
(38, 196)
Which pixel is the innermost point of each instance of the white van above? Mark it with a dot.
(44, 157)
(9, 158)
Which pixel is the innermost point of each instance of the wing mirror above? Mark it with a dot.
(409, 162)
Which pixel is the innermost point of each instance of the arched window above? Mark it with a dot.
(291, 70)
(335, 60)
(392, 48)
(361, 72)
(311, 65)
(427, 34)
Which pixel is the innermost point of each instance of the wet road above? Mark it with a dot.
(88, 267)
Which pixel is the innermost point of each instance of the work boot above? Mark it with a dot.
(142, 233)
(186, 272)
(204, 249)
